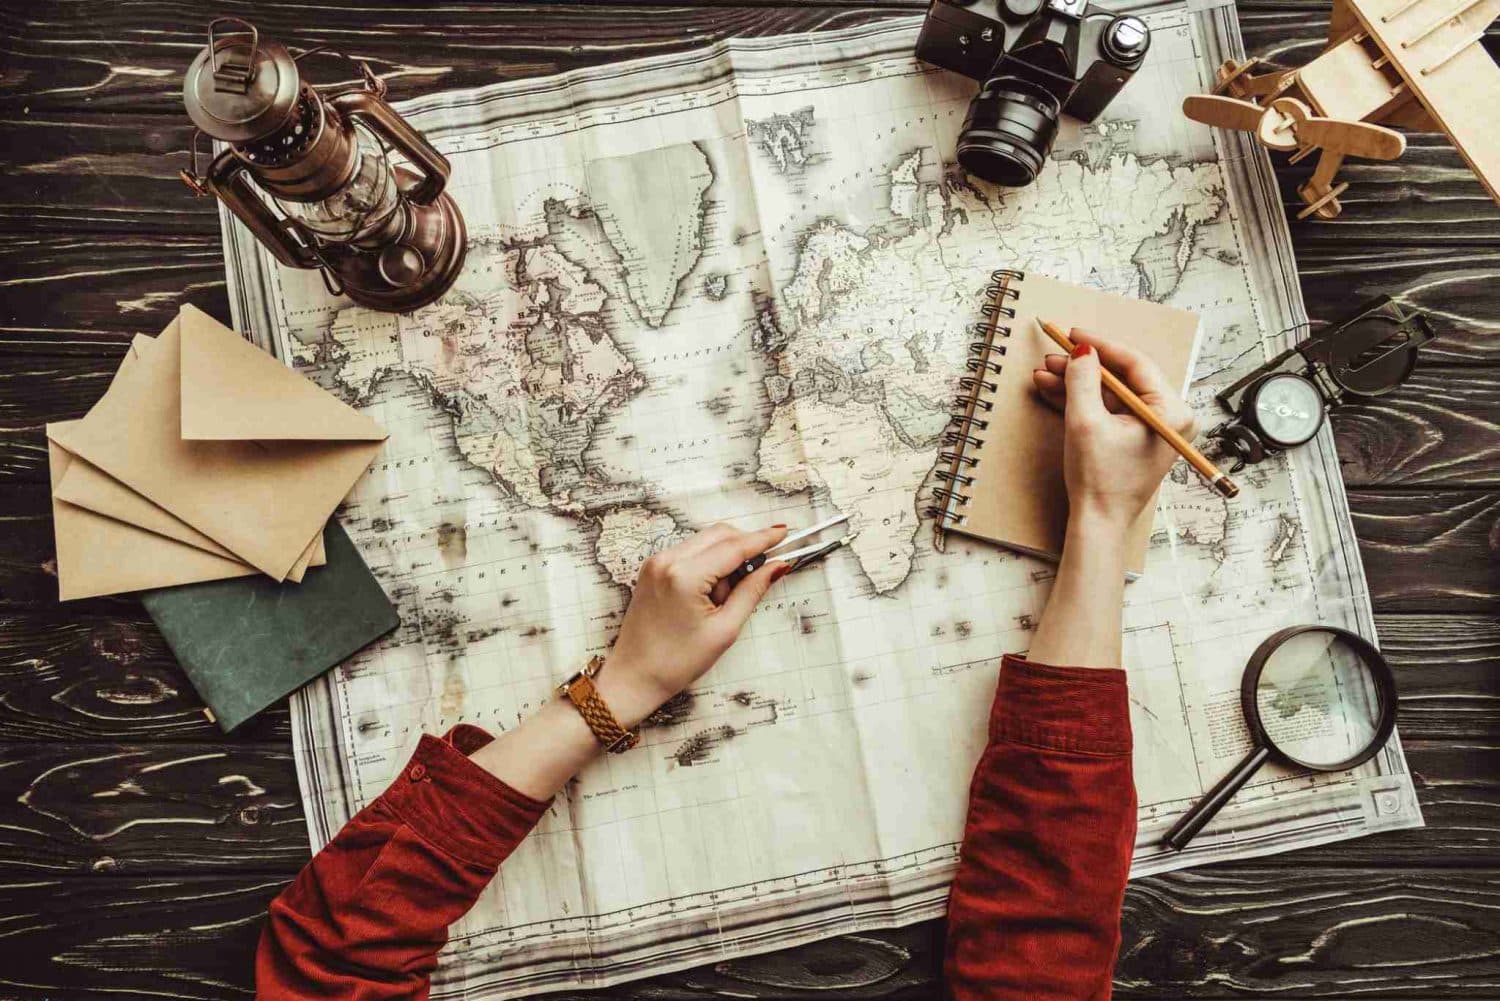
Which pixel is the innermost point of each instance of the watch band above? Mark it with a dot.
(581, 691)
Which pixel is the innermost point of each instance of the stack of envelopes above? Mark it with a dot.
(205, 459)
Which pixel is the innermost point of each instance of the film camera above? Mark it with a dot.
(1033, 59)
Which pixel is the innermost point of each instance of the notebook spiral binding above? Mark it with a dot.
(968, 421)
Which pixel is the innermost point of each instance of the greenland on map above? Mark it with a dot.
(734, 284)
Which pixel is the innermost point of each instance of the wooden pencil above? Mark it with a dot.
(1220, 482)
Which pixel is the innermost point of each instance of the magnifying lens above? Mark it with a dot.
(1314, 697)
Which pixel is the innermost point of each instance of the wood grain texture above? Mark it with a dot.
(1456, 286)
(1430, 551)
(1448, 673)
(87, 292)
(101, 55)
(99, 173)
(74, 676)
(1442, 427)
(1211, 933)
(72, 172)
(1423, 551)
(1427, 197)
(154, 808)
(133, 282)
(232, 808)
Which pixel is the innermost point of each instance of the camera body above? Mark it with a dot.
(1034, 59)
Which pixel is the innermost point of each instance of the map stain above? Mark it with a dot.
(453, 542)
(452, 699)
(478, 635)
(671, 712)
(696, 749)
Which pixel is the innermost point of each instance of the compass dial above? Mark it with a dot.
(1287, 410)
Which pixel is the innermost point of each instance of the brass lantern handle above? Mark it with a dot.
(232, 76)
(365, 106)
(228, 179)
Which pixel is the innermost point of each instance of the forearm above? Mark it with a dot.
(554, 743)
(1034, 913)
(367, 917)
(1080, 625)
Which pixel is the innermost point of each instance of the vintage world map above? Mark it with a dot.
(735, 284)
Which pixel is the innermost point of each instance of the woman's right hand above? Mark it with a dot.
(674, 630)
(1112, 462)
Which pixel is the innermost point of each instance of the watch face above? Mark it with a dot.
(1287, 409)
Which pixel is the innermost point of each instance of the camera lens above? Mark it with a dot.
(1008, 131)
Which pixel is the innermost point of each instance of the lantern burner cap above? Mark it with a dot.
(289, 142)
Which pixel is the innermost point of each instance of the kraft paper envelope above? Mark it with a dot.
(90, 488)
(84, 486)
(260, 476)
(98, 555)
(142, 512)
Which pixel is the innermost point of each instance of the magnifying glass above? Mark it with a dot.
(1314, 697)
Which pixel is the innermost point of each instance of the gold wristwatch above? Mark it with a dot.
(580, 690)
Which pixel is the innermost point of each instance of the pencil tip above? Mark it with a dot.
(1226, 486)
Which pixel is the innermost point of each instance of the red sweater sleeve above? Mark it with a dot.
(365, 920)
(1034, 912)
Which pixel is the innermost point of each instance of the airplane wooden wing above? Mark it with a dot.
(1437, 48)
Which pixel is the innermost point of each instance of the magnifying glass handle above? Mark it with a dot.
(1192, 822)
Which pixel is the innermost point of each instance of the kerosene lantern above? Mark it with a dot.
(310, 177)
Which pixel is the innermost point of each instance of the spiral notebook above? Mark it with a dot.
(1000, 473)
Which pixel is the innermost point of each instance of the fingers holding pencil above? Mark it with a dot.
(1138, 372)
(1135, 411)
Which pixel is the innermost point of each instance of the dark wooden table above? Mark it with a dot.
(139, 848)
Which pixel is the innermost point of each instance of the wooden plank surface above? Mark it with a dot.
(92, 172)
(231, 808)
(1423, 550)
(1253, 931)
(102, 55)
(138, 848)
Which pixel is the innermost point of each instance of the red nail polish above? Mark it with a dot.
(782, 569)
(1082, 350)
(778, 526)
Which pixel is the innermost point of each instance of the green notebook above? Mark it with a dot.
(247, 642)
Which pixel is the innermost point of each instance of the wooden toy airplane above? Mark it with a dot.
(1417, 64)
